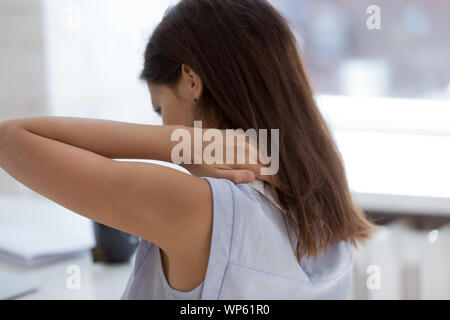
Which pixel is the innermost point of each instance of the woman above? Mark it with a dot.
(233, 64)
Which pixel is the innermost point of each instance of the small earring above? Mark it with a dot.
(195, 100)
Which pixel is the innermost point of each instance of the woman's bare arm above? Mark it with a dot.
(69, 161)
(111, 139)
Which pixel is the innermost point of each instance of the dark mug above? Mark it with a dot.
(113, 246)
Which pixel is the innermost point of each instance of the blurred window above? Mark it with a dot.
(408, 57)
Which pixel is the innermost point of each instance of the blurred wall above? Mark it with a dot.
(94, 54)
(79, 58)
(22, 76)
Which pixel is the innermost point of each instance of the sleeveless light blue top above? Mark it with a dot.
(251, 256)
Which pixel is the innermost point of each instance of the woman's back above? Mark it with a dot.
(251, 257)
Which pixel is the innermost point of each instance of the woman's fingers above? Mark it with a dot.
(236, 176)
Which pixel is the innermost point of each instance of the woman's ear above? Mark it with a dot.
(192, 83)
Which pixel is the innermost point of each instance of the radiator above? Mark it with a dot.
(400, 262)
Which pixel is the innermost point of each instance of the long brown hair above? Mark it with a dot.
(253, 77)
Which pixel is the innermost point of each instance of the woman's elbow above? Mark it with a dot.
(7, 129)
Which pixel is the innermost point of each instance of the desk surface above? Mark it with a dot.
(97, 280)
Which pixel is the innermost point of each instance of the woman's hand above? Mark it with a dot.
(240, 170)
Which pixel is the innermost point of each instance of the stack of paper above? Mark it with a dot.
(34, 232)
